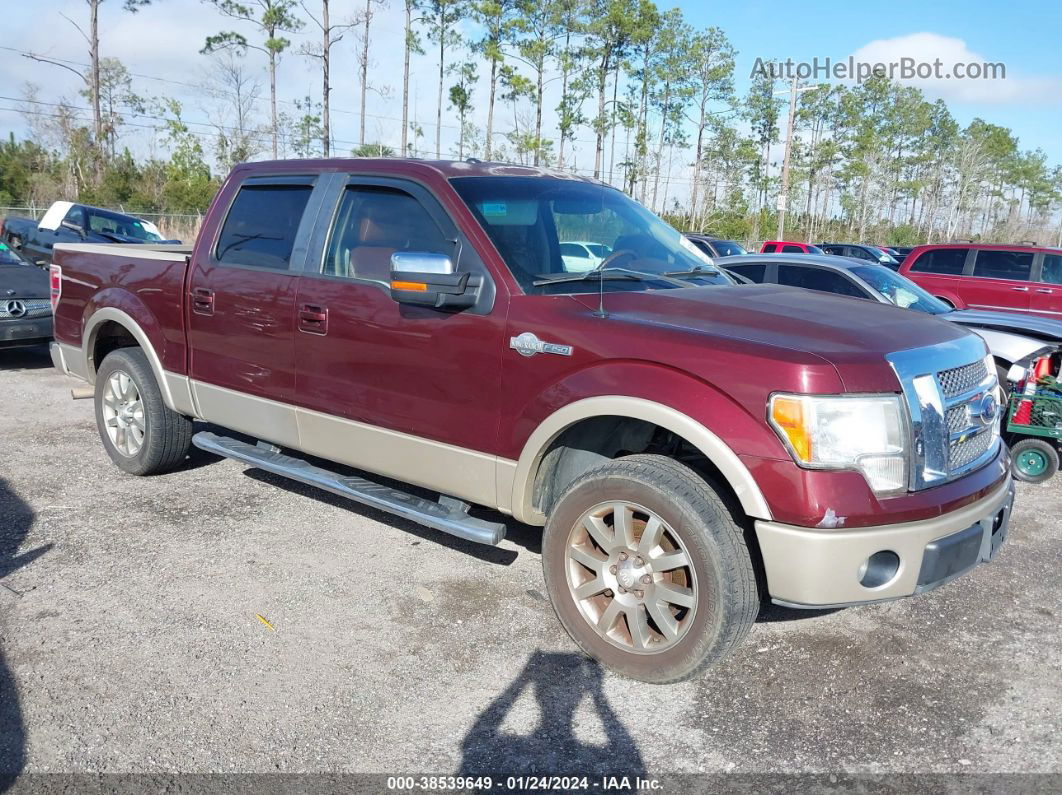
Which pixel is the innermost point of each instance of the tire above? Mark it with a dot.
(1033, 460)
(717, 598)
(156, 439)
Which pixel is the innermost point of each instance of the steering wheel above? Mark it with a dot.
(615, 255)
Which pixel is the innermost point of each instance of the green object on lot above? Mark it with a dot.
(3, 246)
(1032, 463)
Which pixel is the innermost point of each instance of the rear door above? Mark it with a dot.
(406, 391)
(1000, 280)
(1046, 297)
(241, 307)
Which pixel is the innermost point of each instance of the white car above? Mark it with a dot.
(583, 255)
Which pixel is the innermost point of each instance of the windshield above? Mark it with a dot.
(9, 257)
(527, 219)
(900, 290)
(728, 248)
(104, 222)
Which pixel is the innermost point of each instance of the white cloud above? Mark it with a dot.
(929, 48)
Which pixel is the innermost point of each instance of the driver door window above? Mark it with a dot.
(372, 223)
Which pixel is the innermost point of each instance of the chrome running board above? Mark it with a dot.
(448, 514)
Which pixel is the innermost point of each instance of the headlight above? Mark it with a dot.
(863, 432)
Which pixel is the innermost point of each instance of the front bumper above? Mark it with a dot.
(25, 331)
(821, 568)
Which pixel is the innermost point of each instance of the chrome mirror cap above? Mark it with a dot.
(421, 262)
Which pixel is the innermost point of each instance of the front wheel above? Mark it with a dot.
(1035, 460)
(140, 433)
(648, 570)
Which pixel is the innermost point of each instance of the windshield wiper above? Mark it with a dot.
(698, 270)
(607, 273)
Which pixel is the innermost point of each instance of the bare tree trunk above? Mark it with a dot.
(94, 55)
(364, 71)
(599, 142)
(326, 87)
(490, 109)
(405, 79)
(660, 141)
(273, 98)
(612, 121)
(564, 90)
(538, 119)
(439, 105)
(698, 153)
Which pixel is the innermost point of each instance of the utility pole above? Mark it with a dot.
(783, 194)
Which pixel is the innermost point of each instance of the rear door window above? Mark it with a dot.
(792, 250)
(1052, 269)
(820, 279)
(755, 271)
(945, 261)
(770, 248)
(260, 228)
(1011, 265)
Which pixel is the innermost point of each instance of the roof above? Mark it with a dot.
(834, 261)
(987, 246)
(446, 168)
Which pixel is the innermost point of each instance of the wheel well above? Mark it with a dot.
(110, 336)
(587, 443)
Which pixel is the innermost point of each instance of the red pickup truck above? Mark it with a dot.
(691, 445)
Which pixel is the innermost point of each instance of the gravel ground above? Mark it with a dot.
(131, 640)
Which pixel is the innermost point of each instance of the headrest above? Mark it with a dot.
(379, 228)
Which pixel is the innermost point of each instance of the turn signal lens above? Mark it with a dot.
(419, 287)
(787, 413)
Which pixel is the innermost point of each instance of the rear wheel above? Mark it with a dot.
(1034, 460)
(648, 570)
(140, 433)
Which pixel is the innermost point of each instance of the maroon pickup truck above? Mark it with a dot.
(690, 445)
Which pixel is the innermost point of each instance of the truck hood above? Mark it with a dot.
(23, 281)
(852, 334)
(1043, 328)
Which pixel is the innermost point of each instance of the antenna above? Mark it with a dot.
(601, 296)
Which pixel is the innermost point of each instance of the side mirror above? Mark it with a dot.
(422, 278)
(73, 227)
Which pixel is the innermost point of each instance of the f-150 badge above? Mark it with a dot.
(527, 344)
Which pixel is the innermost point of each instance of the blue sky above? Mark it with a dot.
(164, 39)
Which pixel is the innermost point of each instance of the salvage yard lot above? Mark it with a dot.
(130, 640)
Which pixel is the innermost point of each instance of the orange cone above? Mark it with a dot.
(1023, 416)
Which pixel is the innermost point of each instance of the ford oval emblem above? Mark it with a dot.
(984, 411)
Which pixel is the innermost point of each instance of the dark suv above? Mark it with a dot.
(860, 251)
(716, 247)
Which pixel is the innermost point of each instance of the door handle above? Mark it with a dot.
(1044, 290)
(1020, 289)
(203, 301)
(313, 319)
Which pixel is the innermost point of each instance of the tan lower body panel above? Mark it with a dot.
(456, 471)
(820, 567)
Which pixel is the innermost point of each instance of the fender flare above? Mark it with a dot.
(175, 389)
(711, 445)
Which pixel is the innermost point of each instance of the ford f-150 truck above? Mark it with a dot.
(690, 446)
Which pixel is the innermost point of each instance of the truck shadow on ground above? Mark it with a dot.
(35, 357)
(559, 683)
(16, 519)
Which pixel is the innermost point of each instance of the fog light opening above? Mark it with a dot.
(879, 569)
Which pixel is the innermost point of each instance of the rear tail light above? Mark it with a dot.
(55, 277)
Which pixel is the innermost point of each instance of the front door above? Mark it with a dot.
(241, 307)
(400, 390)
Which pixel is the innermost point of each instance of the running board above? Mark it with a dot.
(448, 514)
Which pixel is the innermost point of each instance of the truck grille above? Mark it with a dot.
(34, 307)
(947, 391)
(962, 379)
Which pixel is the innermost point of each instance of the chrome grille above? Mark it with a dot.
(962, 379)
(969, 450)
(35, 307)
(944, 387)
